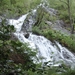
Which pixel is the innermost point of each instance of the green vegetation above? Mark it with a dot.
(68, 41)
(16, 7)
(66, 11)
(16, 56)
(52, 35)
(62, 8)
(44, 29)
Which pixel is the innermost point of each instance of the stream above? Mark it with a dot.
(54, 53)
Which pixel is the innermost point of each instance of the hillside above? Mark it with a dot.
(37, 37)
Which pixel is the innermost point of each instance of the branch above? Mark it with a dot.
(64, 2)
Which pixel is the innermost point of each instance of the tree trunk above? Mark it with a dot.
(70, 18)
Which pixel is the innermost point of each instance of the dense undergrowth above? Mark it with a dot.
(61, 6)
(15, 57)
(66, 12)
(16, 7)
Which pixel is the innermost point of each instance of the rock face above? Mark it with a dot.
(29, 22)
(27, 35)
(51, 11)
(59, 25)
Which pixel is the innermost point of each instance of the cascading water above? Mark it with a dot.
(18, 23)
(52, 52)
(47, 51)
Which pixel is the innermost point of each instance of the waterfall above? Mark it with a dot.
(22, 38)
(18, 23)
(47, 51)
(53, 52)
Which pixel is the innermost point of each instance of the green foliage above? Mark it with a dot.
(64, 16)
(49, 70)
(41, 28)
(62, 7)
(69, 72)
(52, 35)
(16, 7)
(39, 19)
(36, 30)
(65, 40)
(4, 41)
(14, 56)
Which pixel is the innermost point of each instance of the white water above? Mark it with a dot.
(22, 38)
(52, 52)
(47, 51)
(18, 23)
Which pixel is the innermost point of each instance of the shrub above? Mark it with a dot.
(14, 55)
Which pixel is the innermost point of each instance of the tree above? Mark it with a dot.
(69, 3)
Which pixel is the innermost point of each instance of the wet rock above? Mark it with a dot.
(27, 35)
(51, 11)
(13, 37)
(49, 22)
(60, 23)
(27, 25)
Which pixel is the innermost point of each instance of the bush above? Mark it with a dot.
(14, 55)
